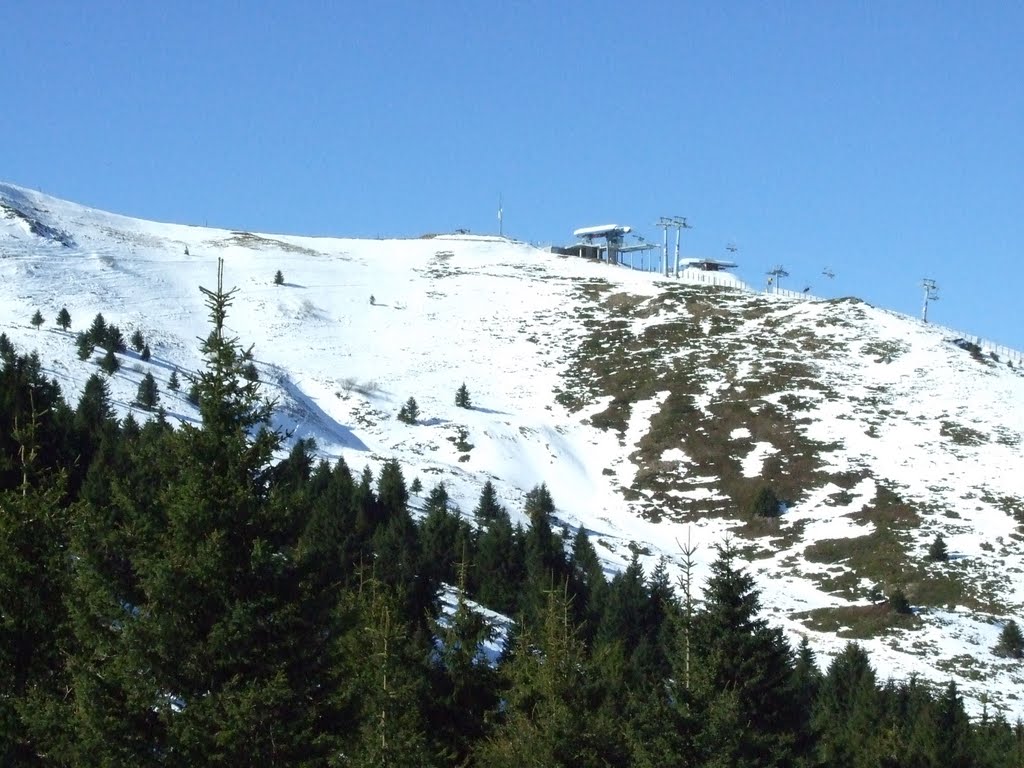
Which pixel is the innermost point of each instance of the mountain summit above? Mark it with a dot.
(837, 444)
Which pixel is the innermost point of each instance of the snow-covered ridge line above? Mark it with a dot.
(898, 407)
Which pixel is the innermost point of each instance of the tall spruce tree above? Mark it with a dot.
(744, 675)
(846, 710)
(148, 395)
(218, 651)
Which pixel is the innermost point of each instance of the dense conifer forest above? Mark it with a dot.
(172, 595)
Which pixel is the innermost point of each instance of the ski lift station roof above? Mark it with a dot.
(602, 230)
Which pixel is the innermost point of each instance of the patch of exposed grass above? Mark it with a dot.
(858, 622)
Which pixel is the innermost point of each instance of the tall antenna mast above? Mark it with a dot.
(931, 293)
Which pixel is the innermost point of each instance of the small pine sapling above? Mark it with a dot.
(145, 354)
(415, 486)
(938, 550)
(85, 346)
(137, 341)
(64, 319)
(462, 397)
(278, 278)
(409, 412)
(37, 319)
(1011, 641)
(765, 503)
(173, 383)
(109, 363)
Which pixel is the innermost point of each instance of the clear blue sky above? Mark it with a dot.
(883, 140)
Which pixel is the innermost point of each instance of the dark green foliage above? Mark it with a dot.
(64, 319)
(409, 412)
(193, 394)
(1011, 641)
(415, 486)
(278, 278)
(539, 504)
(547, 717)
(138, 342)
(98, 331)
(109, 363)
(85, 345)
(488, 508)
(744, 676)
(899, 603)
(765, 503)
(114, 339)
(500, 565)
(7, 353)
(148, 395)
(173, 383)
(462, 397)
(938, 551)
(464, 685)
(38, 319)
(145, 354)
(249, 372)
(847, 708)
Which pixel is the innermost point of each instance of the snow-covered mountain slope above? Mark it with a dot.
(653, 409)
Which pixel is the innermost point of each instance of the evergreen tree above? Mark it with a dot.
(501, 565)
(114, 339)
(416, 486)
(391, 492)
(109, 363)
(145, 354)
(488, 508)
(98, 331)
(278, 278)
(148, 395)
(765, 503)
(222, 653)
(37, 319)
(899, 602)
(462, 397)
(85, 345)
(7, 353)
(539, 504)
(744, 675)
(409, 412)
(546, 718)
(953, 730)
(137, 341)
(938, 551)
(64, 319)
(34, 627)
(173, 383)
(847, 709)
(464, 685)
(1011, 641)
(390, 682)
